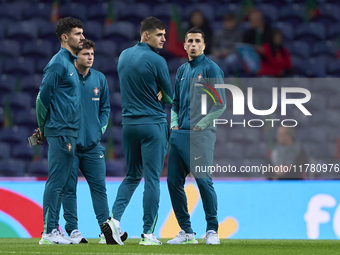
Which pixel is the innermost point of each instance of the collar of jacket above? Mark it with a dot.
(143, 44)
(86, 76)
(197, 61)
(68, 54)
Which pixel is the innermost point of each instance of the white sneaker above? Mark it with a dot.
(212, 237)
(149, 239)
(111, 232)
(123, 237)
(102, 239)
(183, 238)
(54, 238)
(76, 237)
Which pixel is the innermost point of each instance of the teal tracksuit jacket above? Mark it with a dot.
(142, 73)
(95, 112)
(190, 148)
(58, 108)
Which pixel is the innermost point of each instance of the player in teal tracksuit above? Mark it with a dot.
(142, 73)
(95, 111)
(58, 106)
(193, 137)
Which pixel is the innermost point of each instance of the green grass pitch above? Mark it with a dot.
(227, 246)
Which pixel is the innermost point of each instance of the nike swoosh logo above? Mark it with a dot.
(101, 156)
(198, 157)
(182, 78)
(71, 74)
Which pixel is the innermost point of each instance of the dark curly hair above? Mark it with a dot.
(65, 25)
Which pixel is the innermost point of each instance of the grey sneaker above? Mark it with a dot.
(183, 238)
(111, 232)
(77, 238)
(54, 238)
(212, 237)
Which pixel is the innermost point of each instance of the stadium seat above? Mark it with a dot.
(46, 30)
(329, 14)
(11, 11)
(10, 167)
(315, 67)
(230, 150)
(326, 117)
(124, 45)
(333, 31)
(18, 101)
(164, 11)
(286, 29)
(175, 63)
(294, 14)
(22, 31)
(30, 84)
(22, 151)
(326, 49)
(106, 48)
(300, 49)
(37, 49)
(37, 168)
(26, 118)
(120, 31)
(15, 135)
(9, 49)
(93, 30)
(7, 83)
(244, 135)
(97, 12)
(311, 134)
(115, 100)
(34, 11)
(256, 151)
(135, 13)
(327, 87)
(311, 33)
(333, 67)
(115, 167)
(269, 12)
(5, 151)
(107, 66)
(334, 103)
(75, 10)
(41, 64)
(19, 66)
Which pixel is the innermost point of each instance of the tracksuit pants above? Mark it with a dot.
(189, 150)
(145, 148)
(91, 163)
(61, 154)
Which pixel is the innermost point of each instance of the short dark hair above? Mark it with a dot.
(194, 30)
(151, 23)
(87, 44)
(65, 25)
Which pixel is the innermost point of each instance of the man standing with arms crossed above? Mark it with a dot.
(142, 74)
(95, 108)
(193, 136)
(58, 107)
